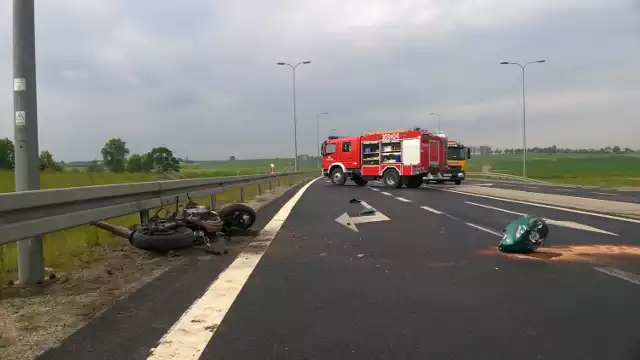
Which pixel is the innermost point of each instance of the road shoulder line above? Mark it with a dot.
(189, 336)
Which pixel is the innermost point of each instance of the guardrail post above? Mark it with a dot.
(212, 201)
(278, 182)
(242, 194)
(259, 189)
(270, 185)
(144, 217)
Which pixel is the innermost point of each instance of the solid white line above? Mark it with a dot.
(431, 209)
(189, 336)
(495, 208)
(384, 193)
(630, 277)
(484, 229)
(403, 199)
(542, 205)
(601, 193)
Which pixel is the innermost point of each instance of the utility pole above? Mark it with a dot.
(27, 173)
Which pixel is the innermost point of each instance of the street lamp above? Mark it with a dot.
(438, 119)
(318, 134)
(295, 120)
(524, 114)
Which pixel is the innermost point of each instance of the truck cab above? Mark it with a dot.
(343, 152)
(458, 154)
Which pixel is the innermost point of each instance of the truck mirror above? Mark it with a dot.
(322, 148)
(468, 153)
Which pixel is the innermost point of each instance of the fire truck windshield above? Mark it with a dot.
(455, 153)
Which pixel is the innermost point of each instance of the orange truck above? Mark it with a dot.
(400, 157)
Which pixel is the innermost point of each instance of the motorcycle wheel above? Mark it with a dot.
(239, 216)
(178, 238)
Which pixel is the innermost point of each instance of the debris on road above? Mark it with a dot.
(368, 212)
(524, 235)
(354, 201)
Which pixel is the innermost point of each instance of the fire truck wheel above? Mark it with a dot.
(359, 181)
(337, 177)
(391, 178)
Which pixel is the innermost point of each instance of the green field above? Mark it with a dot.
(65, 249)
(608, 170)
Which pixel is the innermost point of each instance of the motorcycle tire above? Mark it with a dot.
(178, 238)
(239, 216)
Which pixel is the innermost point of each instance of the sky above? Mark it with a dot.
(200, 77)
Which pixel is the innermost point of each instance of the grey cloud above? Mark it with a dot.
(202, 79)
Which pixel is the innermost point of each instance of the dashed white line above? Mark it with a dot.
(484, 229)
(495, 208)
(601, 193)
(189, 336)
(531, 187)
(385, 193)
(372, 188)
(431, 209)
(403, 199)
(542, 205)
(630, 277)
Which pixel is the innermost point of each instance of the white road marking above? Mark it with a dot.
(189, 336)
(544, 206)
(385, 193)
(431, 209)
(484, 229)
(495, 208)
(372, 188)
(601, 193)
(568, 224)
(531, 187)
(327, 181)
(485, 184)
(630, 277)
(403, 199)
(351, 222)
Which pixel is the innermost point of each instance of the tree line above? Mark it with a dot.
(116, 158)
(487, 150)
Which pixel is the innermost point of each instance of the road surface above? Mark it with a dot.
(422, 282)
(611, 194)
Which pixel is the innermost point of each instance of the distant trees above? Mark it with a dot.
(7, 154)
(95, 166)
(114, 155)
(554, 150)
(46, 162)
(232, 158)
(162, 160)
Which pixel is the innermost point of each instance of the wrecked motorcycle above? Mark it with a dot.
(524, 235)
(189, 225)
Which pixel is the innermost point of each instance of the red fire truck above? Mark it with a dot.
(401, 157)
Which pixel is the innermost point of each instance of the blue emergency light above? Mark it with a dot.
(334, 137)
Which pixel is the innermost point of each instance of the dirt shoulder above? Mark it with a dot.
(624, 209)
(34, 319)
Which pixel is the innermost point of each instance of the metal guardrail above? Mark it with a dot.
(34, 213)
(505, 177)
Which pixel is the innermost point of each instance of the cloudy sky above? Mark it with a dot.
(201, 78)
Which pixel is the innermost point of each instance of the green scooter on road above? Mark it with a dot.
(524, 235)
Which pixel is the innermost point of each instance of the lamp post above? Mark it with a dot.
(295, 119)
(524, 114)
(318, 134)
(438, 115)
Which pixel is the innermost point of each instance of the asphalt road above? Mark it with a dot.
(425, 284)
(581, 191)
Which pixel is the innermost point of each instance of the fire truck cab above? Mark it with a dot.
(401, 157)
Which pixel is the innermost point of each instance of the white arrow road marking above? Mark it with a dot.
(568, 224)
(351, 222)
